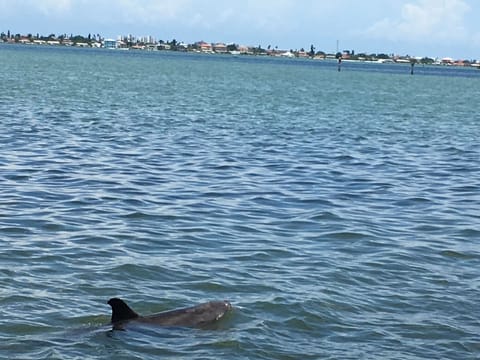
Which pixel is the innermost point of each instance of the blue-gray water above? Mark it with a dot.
(338, 211)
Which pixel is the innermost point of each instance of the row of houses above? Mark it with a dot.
(210, 48)
(120, 43)
(222, 48)
(63, 42)
(200, 46)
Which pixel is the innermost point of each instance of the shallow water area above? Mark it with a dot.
(339, 212)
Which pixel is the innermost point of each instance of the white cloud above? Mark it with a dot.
(267, 16)
(436, 20)
(53, 7)
(43, 7)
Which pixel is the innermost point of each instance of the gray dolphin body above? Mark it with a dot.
(195, 316)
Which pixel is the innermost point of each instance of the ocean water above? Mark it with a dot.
(339, 212)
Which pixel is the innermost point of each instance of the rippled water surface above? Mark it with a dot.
(338, 211)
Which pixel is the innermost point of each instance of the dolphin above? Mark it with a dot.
(195, 316)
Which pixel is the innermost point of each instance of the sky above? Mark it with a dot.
(434, 28)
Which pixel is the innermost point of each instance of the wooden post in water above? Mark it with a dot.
(411, 67)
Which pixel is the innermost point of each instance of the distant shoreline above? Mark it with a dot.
(224, 49)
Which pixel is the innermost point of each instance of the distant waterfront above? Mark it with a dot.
(149, 43)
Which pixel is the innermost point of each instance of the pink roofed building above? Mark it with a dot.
(204, 46)
(220, 48)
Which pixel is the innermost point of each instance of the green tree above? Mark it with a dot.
(258, 50)
(427, 60)
(78, 39)
(232, 47)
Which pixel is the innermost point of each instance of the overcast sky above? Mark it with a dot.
(436, 28)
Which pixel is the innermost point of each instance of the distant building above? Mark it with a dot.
(204, 46)
(447, 61)
(287, 54)
(182, 46)
(164, 46)
(302, 54)
(220, 48)
(243, 49)
(110, 44)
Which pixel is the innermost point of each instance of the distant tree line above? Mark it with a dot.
(93, 39)
(90, 38)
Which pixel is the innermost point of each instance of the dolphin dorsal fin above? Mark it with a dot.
(121, 311)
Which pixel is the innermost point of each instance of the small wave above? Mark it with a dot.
(346, 235)
(326, 216)
(459, 255)
(414, 201)
(15, 230)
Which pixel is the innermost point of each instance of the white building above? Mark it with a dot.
(110, 44)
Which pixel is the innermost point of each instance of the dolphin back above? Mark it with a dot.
(195, 316)
(199, 315)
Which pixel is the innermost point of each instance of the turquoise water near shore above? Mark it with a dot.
(339, 212)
